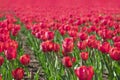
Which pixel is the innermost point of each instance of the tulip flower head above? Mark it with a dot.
(18, 74)
(25, 59)
(84, 73)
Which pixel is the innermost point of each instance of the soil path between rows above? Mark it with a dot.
(34, 65)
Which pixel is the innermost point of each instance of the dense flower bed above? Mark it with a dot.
(69, 43)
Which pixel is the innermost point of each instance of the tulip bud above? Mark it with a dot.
(105, 47)
(25, 59)
(67, 45)
(82, 45)
(84, 55)
(67, 61)
(18, 73)
(83, 36)
(49, 35)
(115, 53)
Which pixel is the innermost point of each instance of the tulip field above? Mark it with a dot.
(65, 41)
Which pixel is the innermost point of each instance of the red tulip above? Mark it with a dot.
(82, 45)
(46, 46)
(84, 73)
(116, 39)
(49, 35)
(96, 44)
(42, 25)
(18, 74)
(83, 36)
(35, 29)
(72, 33)
(64, 53)
(11, 53)
(13, 44)
(25, 59)
(67, 45)
(4, 35)
(84, 55)
(78, 22)
(115, 53)
(73, 60)
(84, 29)
(15, 30)
(10, 43)
(93, 43)
(117, 44)
(93, 28)
(66, 27)
(105, 47)
(91, 72)
(41, 35)
(56, 47)
(105, 34)
(70, 21)
(67, 61)
(62, 32)
(28, 26)
(1, 60)
(104, 22)
(92, 37)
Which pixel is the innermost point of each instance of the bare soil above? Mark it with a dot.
(34, 65)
